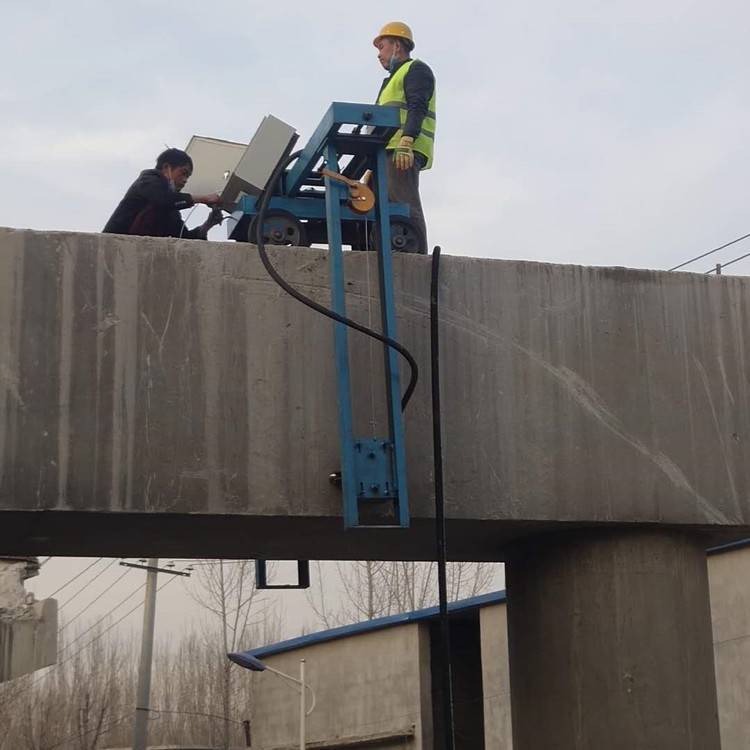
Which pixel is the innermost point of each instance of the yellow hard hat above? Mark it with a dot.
(395, 28)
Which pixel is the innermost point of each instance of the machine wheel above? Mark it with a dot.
(279, 228)
(405, 237)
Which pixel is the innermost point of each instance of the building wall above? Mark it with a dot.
(369, 685)
(729, 579)
(498, 733)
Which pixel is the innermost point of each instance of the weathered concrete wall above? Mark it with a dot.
(374, 685)
(498, 730)
(28, 629)
(174, 378)
(28, 639)
(729, 574)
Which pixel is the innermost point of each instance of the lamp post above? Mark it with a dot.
(248, 661)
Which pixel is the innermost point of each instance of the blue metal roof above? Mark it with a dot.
(475, 602)
(728, 547)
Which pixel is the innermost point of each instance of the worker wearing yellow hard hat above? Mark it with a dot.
(410, 86)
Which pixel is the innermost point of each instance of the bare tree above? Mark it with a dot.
(240, 615)
(364, 590)
(85, 702)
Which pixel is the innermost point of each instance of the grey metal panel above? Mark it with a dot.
(213, 161)
(267, 146)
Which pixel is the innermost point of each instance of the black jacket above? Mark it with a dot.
(419, 86)
(151, 208)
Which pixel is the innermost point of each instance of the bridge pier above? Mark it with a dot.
(610, 642)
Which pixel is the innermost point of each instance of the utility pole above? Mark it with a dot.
(140, 725)
(143, 694)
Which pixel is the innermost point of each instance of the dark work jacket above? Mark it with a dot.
(419, 86)
(150, 208)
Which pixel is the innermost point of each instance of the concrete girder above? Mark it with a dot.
(165, 397)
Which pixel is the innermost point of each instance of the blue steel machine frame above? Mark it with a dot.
(373, 470)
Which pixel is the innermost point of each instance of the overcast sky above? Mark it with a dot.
(581, 131)
(597, 132)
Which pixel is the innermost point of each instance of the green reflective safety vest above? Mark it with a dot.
(394, 95)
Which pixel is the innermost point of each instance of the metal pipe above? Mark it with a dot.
(302, 705)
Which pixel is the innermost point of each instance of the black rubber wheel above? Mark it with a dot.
(279, 228)
(405, 237)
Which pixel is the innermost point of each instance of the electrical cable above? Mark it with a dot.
(94, 601)
(440, 529)
(276, 276)
(189, 713)
(75, 578)
(115, 623)
(21, 691)
(85, 586)
(104, 729)
(728, 263)
(709, 252)
(101, 619)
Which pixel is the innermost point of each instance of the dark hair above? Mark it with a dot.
(403, 41)
(175, 157)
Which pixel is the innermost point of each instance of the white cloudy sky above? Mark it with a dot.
(584, 131)
(610, 132)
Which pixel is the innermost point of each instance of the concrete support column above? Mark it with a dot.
(610, 643)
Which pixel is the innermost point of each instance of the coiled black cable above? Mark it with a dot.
(276, 276)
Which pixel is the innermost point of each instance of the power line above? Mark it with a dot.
(102, 619)
(192, 713)
(75, 578)
(114, 624)
(709, 252)
(218, 561)
(40, 677)
(103, 730)
(728, 263)
(85, 586)
(94, 601)
(45, 561)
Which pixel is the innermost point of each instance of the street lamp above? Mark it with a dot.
(248, 661)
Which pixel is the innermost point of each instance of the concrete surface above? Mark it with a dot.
(610, 643)
(498, 728)
(729, 574)
(165, 397)
(375, 688)
(28, 629)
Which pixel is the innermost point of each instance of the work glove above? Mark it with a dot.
(403, 154)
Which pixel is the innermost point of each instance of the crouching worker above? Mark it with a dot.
(151, 206)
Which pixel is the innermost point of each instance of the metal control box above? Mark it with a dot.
(214, 160)
(234, 169)
(272, 140)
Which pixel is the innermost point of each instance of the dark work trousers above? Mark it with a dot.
(403, 187)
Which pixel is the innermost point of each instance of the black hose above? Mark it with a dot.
(274, 274)
(440, 533)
